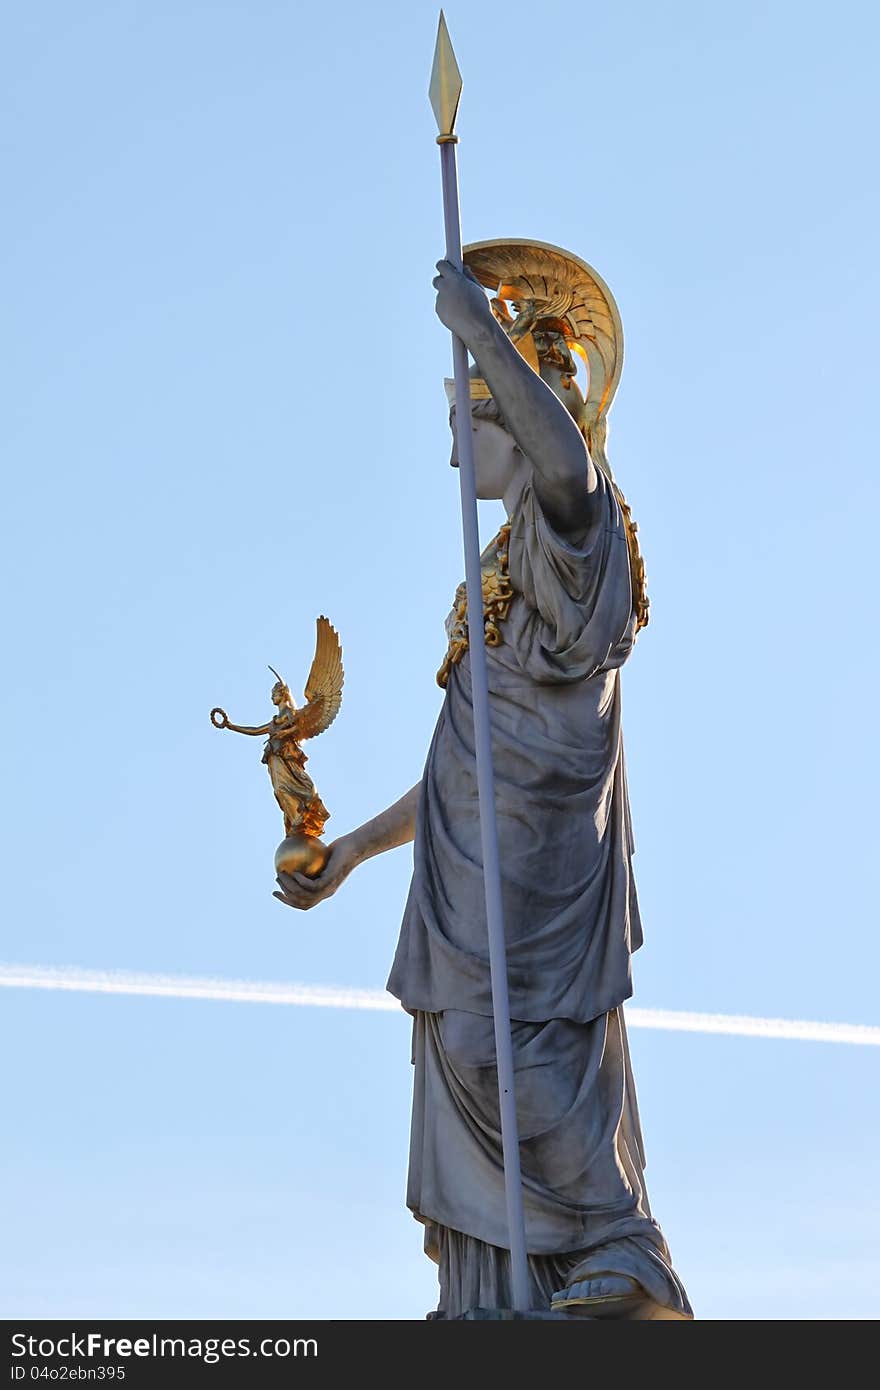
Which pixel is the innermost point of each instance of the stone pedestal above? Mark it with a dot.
(512, 1315)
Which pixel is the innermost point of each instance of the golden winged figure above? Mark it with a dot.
(304, 812)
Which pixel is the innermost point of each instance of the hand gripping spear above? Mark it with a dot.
(444, 92)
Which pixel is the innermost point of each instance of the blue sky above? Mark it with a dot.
(223, 414)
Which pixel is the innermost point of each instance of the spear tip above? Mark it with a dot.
(445, 88)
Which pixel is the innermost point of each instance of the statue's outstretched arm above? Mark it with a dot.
(564, 475)
(392, 827)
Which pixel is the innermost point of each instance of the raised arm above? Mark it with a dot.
(564, 476)
(392, 827)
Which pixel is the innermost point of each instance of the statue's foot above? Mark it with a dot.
(611, 1296)
(603, 1296)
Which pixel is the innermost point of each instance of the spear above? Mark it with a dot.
(444, 93)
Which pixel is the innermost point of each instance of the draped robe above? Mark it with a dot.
(571, 922)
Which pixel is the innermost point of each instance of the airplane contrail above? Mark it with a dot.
(68, 977)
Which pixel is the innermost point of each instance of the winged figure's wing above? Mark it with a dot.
(324, 686)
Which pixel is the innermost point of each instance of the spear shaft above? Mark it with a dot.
(447, 79)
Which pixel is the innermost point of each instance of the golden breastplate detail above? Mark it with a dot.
(497, 598)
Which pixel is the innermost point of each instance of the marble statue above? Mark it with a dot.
(564, 596)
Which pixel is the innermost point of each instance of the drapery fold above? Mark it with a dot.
(565, 836)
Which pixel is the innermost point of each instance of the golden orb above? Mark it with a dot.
(301, 854)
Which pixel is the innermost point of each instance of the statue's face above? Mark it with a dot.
(496, 458)
(279, 693)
